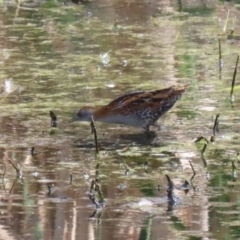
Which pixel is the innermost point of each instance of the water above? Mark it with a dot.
(58, 56)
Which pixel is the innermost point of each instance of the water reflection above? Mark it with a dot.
(52, 51)
(8, 85)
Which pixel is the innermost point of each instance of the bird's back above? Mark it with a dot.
(162, 99)
(140, 109)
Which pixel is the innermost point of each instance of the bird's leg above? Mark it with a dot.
(147, 132)
(156, 125)
(146, 128)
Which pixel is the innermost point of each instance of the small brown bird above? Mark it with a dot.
(137, 109)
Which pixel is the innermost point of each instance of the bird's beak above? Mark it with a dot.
(73, 119)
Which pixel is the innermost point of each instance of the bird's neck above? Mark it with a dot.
(95, 112)
(100, 114)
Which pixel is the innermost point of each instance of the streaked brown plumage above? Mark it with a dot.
(137, 109)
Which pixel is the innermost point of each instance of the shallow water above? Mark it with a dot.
(60, 56)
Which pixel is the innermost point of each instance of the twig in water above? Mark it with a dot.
(4, 173)
(194, 173)
(93, 183)
(220, 55)
(95, 187)
(100, 196)
(233, 25)
(204, 149)
(233, 80)
(92, 216)
(94, 201)
(234, 170)
(71, 178)
(203, 139)
(226, 22)
(215, 126)
(50, 190)
(13, 185)
(145, 165)
(97, 214)
(53, 119)
(95, 135)
(186, 186)
(202, 154)
(212, 139)
(8, 94)
(32, 151)
(18, 170)
(3, 177)
(128, 170)
(233, 166)
(170, 183)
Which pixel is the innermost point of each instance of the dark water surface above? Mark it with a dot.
(59, 56)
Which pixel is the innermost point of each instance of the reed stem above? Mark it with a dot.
(233, 80)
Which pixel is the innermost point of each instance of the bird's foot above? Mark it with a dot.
(146, 128)
(157, 126)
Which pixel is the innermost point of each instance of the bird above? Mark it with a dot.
(140, 109)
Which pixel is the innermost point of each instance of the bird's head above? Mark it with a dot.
(84, 114)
